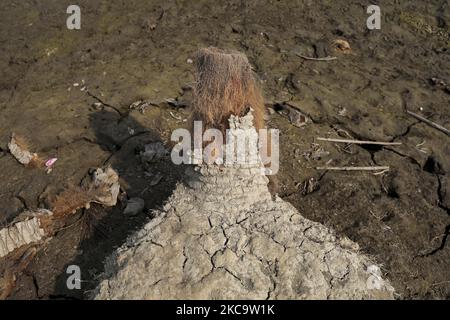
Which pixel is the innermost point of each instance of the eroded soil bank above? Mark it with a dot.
(69, 93)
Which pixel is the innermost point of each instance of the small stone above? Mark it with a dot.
(153, 152)
(156, 179)
(297, 118)
(134, 207)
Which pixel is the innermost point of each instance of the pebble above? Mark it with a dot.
(134, 207)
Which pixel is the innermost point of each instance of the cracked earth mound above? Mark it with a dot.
(222, 235)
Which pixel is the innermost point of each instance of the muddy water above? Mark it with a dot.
(132, 50)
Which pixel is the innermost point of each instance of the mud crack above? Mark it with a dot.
(106, 105)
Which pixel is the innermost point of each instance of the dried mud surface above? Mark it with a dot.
(133, 50)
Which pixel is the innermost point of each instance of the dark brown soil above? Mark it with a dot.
(132, 50)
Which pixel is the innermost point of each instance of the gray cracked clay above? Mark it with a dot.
(221, 235)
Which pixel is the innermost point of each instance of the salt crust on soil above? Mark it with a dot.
(221, 235)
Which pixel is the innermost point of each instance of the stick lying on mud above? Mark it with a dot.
(361, 141)
(429, 122)
(316, 59)
(377, 168)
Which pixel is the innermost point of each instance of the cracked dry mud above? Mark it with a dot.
(246, 246)
(400, 218)
(222, 236)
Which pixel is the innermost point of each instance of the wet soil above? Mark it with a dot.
(134, 50)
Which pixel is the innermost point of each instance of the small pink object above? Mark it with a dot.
(50, 162)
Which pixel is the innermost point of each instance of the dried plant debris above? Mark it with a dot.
(316, 152)
(7, 284)
(70, 200)
(19, 148)
(32, 229)
(296, 117)
(19, 262)
(341, 46)
(418, 23)
(225, 85)
(34, 226)
(105, 186)
(102, 187)
(141, 105)
(309, 186)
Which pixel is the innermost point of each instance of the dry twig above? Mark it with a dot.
(374, 168)
(316, 59)
(429, 122)
(360, 141)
